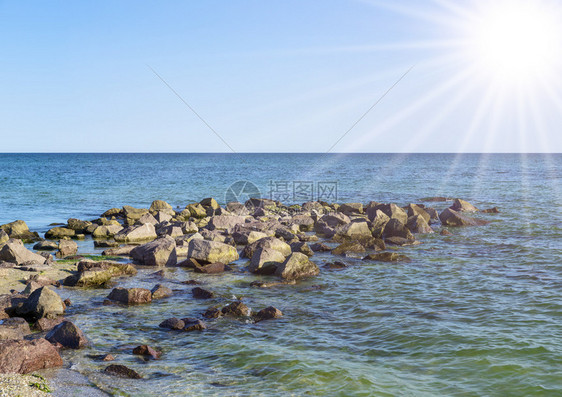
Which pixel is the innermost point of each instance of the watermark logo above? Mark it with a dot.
(302, 191)
(241, 191)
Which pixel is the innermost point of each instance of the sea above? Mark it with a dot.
(478, 313)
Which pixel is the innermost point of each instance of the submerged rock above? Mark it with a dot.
(387, 257)
(121, 371)
(131, 296)
(269, 313)
(451, 217)
(348, 248)
(236, 309)
(201, 293)
(145, 350)
(159, 292)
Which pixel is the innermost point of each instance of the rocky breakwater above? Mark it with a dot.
(265, 241)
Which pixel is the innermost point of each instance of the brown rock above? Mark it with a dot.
(159, 292)
(145, 350)
(201, 293)
(131, 296)
(236, 309)
(14, 328)
(463, 206)
(23, 356)
(387, 257)
(172, 323)
(67, 335)
(268, 313)
(451, 217)
(193, 324)
(347, 248)
(211, 268)
(121, 371)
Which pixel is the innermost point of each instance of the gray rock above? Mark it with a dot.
(211, 251)
(139, 233)
(68, 335)
(106, 231)
(451, 217)
(14, 251)
(267, 242)
(46, 246)
(297, 266)
(266, 261)
(43, 302)
(67, 248)
(14, 328)
(57, 233)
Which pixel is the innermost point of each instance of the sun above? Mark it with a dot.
(515, 42)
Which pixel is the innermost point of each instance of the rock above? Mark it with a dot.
(387, 257)
(196, 210)
(189, 263)
(193, 324)
(163, 217)
(132, 214)
(134, 234)
(46, 246)
(267, 242)
(146, 218)
(14, 328)
(337, 265)
(121, 371)
(462, 206)
(161, 206)
(14, 251)
(67, 335)
(57, 233)
(269, 313)
(145, 350)
(30, 287)
(445, 232)
(320, 247)
(400, 241)
(418, 224)
(43, 302)
(435, 199)
(265, 261)
(4, 237)
(378, 222)
(265, 203)
(105, 244)
(237, 309)
(395, 228)
(297, 266)
(119, 251)
(67, 248)
(160, 252)
(354, 230)
(212, 312)
(170, 230)
(348, 248)
(159, 292)
(106, 357)
(24, 356)
(201, 293)
(106, 231)
(78, 225)
(494, 210)
(19, 230)
(131, 296)
(451, 217)
(212, 268)
(302, 247)
(172, 323)
(112, 212)
(305, 223)
(391, 210)
(211, 251)
(237, 208)
(334, 219)
(351, 208)
(95, 274)
(210, 202)
(47, 324)
(414, 209)
(225, 222)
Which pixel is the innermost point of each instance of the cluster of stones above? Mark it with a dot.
(275, 240)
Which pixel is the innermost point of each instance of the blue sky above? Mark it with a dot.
(268, 76)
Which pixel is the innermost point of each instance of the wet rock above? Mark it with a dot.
(68, 335)
(267, 242)
(387, 257)
(320, 247)
(237, 309)
(46, 246)
(191, 282)
(107, 357)
(57, 233)
(297, 266)
(15, 252)
(212, 312)
(24, 356)
(159, 292)
(378, 222)
(212, 268)
(46, 324)
(418, 224)
(137, 234)
(121, 371)
(337, 265)
(106, 231)
(348, 248)
(14, 328)
(145, 350)
(78, 225)
(131, 296)
(395, 228)
(269, 313)
(95, 274)
(211, 251)
(270, 284)
(451, 217)
(265, 261)
(43, 302)
(67, 248)
(19, 230)
(400, 241)
(190, 263)
(201, 293)
(105, 244)
(193, 324)
(460, 205)
(494, 210)
(172, 323)
(414, 209)
(302, 247)
(160, 252)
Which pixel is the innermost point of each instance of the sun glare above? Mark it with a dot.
(515, 42)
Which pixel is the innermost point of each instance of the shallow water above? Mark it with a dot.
(477, 313)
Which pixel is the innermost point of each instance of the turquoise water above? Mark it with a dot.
(477, 313)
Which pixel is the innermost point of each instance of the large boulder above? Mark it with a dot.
(43, 302)
(378, 222)
(78, 225)
(196, 210)
(211, 251)
(418, 224)
(95, 274)
(106, 231)
(414, 209)
(24, 356)
(225, 222)
(347, 248)
(297, 266)
(46, 245)
(391, 210)
(451, 217)
(14, 251)
(147, 218)
(395, 228)
(210, 202)
(67, 248)
(354, 230)
(351, 208)
(14, 328)
(68, 335)
(18, 229)
(266, 261)
(161, 206)
(135, 234)
(132, 214)
(131, 296)
(160, 252)
(57, 233)
(460, 205)
(267, 242)
(304, 222)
